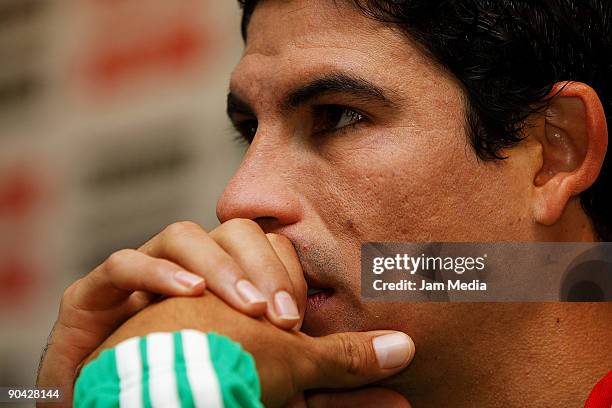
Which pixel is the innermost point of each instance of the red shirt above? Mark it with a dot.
(601, 396)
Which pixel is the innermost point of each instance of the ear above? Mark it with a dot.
(574, 141)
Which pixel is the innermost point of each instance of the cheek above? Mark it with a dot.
(431, 188)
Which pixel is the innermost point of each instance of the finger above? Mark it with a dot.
(366, 398)
(139, 300)
(286, 253)
(189, 246)
(246, 242)
(127, 271)
(348, 360)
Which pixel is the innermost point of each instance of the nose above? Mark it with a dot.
(262, 190)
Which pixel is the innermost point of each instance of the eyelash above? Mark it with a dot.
(247, 129)
(244, 129)
(335, 114)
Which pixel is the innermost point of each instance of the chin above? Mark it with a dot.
(329, 314)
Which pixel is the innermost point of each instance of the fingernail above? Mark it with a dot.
(249, 293)
(285, 306)
(188, 280)
(393, 350)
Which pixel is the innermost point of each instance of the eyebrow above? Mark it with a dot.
(357, 87)
(335, 83)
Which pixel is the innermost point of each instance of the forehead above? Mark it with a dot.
(308, 23)
(293, 41)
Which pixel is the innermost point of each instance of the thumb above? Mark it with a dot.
(346, 360)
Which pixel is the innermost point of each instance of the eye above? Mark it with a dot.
(247, 129)
(334, 117)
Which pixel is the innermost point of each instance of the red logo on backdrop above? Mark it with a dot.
(173, 49)
(128, 40)
(601, 396)
(21, 195)
(16, 279)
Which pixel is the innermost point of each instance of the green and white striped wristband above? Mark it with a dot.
(180, 369)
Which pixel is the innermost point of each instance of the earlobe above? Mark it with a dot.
(574, 143)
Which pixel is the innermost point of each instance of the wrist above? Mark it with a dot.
(161, 369)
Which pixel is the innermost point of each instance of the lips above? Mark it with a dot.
(314, 281)
(324, 301)
(318, 297)
(320, 289)
(314, 291)
(320, 272)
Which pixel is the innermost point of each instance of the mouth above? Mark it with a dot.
(317, 297)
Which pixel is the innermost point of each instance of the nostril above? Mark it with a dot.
(268, 224)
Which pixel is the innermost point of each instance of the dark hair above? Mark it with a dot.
(508, 54)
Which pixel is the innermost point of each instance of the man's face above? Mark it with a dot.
(359, 137)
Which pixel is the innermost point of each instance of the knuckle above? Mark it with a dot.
(355, 354)
(242, 224)
(181, 228)
(70, 291)
(174, 235)
(117, 260)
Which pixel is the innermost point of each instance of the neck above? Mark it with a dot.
(512, 355)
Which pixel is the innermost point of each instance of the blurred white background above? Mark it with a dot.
(112, 125)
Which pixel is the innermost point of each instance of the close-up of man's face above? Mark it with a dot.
(357, 135)
(351, 145)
